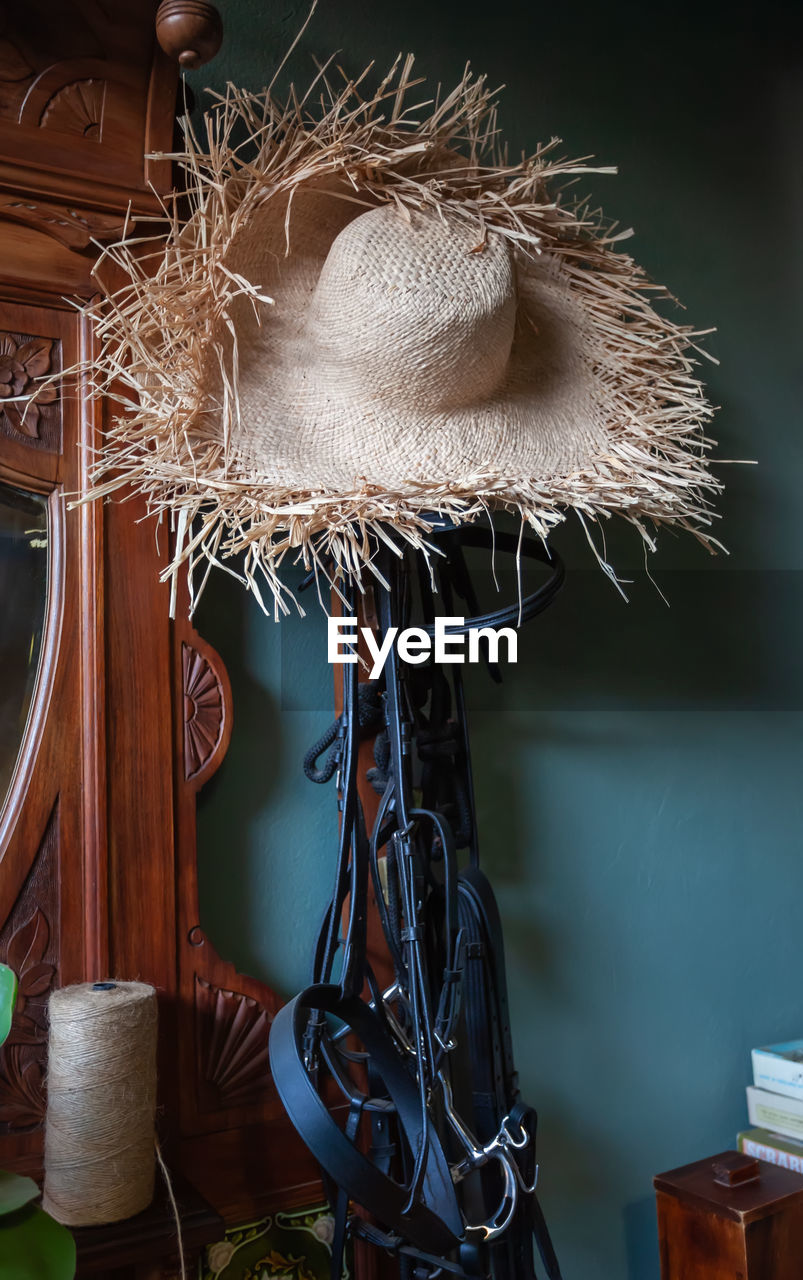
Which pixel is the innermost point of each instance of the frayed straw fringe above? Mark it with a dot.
(159, 333)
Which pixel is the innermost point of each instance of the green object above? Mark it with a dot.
(15, 1191)
(33, 1246)
(8, 999)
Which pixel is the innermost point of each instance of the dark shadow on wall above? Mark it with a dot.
(726, 641)
(641, 1239)
(714, 641)
(247, 777)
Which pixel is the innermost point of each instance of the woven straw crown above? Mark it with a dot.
(401, 354)
(373, 317)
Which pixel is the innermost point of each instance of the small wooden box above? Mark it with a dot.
(730, 1217)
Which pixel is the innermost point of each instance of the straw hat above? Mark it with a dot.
(368, 317)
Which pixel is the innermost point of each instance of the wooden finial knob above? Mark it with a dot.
(191, 31)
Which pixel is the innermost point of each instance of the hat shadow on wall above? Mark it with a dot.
(243, 786)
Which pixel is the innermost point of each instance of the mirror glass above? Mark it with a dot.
(23, 604)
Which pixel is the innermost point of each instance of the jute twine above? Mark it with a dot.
(101, 1098)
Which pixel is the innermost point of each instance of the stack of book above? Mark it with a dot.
(775, 1106)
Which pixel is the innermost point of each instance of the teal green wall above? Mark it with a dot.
(639, 778)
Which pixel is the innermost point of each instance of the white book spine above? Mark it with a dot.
(775, 1111)
(777, 1074)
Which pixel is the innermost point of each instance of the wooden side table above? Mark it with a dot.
(730, 1217)
(145, 1247)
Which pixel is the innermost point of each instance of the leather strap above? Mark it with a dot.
(518, 611)
(434, 1222)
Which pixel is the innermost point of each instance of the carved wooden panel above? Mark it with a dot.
(204, 711)
(77, 108)
(72, 227)
(232, 1047)
(29, 944)
(42, 910)
(34, 38)
(85, 93)
(137, 714)
(24, 359)
(87, 837)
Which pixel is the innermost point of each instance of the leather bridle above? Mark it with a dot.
(436, 1146)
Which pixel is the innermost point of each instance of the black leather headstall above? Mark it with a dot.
(405, 1089)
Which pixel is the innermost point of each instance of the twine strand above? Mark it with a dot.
(173, 1206)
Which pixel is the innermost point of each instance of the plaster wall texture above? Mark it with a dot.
(639, 773)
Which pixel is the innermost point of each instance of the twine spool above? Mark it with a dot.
(101, 1098)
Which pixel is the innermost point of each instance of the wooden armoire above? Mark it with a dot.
(112, 717)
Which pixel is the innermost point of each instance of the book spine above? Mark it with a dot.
(769, 1147)
(774, 1112)
(777, 1074)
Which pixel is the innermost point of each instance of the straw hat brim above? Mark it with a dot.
(230, 425)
